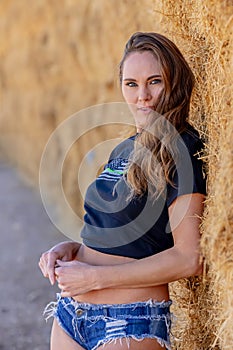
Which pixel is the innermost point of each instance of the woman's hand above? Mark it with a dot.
(65, 251)
(75, 278)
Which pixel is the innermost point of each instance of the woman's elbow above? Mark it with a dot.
(196, 266)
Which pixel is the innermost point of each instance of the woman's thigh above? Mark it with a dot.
(122, 344)
(62, 341)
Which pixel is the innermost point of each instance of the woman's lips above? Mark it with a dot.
(146, 110)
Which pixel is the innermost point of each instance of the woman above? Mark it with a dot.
(141, 227)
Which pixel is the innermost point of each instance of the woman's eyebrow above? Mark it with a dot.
(149, 78)
(154, 76)
(131, 79)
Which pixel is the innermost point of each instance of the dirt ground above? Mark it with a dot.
(26, 231)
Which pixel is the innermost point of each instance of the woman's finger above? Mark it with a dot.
(52, 257)
(42, 265)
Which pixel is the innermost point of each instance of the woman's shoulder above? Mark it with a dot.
(191, 138)
(123, 149)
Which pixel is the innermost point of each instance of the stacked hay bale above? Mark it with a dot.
(203, 30)
(58, 59)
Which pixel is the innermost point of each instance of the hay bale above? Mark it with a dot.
(203, 31)
(218, 242)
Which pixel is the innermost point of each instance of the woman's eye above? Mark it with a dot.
(155, 81)
(131, 84)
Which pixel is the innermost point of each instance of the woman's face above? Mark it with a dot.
(141, 85)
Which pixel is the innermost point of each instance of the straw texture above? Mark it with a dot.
(203, 30)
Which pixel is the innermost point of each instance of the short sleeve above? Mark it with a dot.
(189, 176)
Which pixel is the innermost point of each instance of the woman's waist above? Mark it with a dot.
(117, 295)
(94, 257)
(125, 296)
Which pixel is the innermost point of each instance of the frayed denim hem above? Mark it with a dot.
(114, 340)
(93, 325)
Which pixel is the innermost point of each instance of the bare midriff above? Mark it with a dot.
(116, 295)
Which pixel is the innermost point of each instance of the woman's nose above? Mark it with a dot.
(144, 94)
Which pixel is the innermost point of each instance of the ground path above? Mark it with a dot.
(25, 231)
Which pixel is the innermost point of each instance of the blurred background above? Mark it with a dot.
(59, 58)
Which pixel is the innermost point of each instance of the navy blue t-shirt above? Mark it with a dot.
(139, 227)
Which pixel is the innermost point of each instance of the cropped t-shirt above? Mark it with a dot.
(139, 227)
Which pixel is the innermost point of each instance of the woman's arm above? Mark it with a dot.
(182, 260)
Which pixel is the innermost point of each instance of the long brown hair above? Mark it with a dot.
(170, 119)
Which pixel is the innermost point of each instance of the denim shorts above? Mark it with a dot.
(92, 325)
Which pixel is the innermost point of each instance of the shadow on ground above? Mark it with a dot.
(26, 231)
